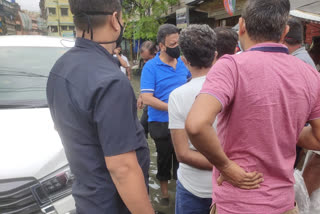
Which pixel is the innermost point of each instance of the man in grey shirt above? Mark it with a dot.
(293, 41)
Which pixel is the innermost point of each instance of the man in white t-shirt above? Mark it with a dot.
(124, 62)
(194, 188)
(198, 44)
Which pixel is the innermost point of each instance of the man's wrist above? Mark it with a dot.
(223, 165)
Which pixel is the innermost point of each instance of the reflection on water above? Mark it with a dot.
(154, 186)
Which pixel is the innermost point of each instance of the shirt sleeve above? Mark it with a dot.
(125, 59)
(315, 112)
(147, 83)
(221, 81)
(176, 119)
(114, 117)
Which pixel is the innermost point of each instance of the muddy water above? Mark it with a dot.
(154, 186)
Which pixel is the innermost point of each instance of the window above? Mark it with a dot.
(64, 11)
(71, 28)
(65, 28)
(24, 81)
(54, 29)
(52, 11)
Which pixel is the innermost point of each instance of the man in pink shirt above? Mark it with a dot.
(263, 98)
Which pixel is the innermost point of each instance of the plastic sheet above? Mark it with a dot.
(315, 202)
(301, 194)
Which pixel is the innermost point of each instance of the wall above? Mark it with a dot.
(312, 30)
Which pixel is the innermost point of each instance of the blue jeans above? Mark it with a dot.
(187, 203)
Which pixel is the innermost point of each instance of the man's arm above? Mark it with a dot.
(150, 100)
(128, 69)
(310, 136)
(202, 135)
(123, 63)
(129, 180)
(311, 173)
(185, 154)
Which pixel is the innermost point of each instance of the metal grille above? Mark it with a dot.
(16, 196)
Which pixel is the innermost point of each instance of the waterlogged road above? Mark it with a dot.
(154, 186)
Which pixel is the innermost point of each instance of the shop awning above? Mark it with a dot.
(26, 21)
(310, 17)
(308, 10)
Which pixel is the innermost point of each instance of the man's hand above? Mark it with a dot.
(235, 175)
(116, 51)
(140, 104)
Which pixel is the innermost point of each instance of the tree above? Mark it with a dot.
(143, 18)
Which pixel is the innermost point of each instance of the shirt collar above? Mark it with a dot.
(270, 47)
(268, 44)
(299, 50)
(198, 78)
(85, 43)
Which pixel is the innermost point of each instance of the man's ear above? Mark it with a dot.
(236, 50)
(162, 47)
(215, 57)
(242, 26)
(284, 33)
(114, 23)
(185, 61)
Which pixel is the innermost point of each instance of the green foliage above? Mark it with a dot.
(143, 17)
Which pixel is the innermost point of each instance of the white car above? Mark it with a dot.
(34, 172)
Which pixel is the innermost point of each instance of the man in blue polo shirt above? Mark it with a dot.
(160, 76)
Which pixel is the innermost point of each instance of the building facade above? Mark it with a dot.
(8, 14)
(58, 16)
(210, 12)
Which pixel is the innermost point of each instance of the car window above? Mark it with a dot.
(23, 74)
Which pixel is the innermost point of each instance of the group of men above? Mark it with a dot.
(260, 100)
(203, 47)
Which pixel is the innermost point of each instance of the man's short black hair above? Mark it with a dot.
(164, 31)
(198, 45)
(265, 20)
(79, 7)
(295, 34)
(227, 40)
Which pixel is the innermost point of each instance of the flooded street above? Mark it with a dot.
(154, 186)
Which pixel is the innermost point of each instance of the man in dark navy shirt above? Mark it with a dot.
(94, 110)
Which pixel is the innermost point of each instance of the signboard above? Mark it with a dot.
(67, 34)
(182, 17)
(230, 6)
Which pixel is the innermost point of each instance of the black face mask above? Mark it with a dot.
(173, 52)
(119, 40)
(93, 13)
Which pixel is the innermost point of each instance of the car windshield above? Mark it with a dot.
(24, 73)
